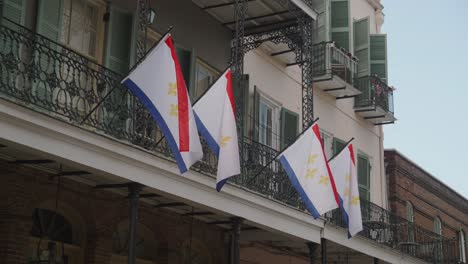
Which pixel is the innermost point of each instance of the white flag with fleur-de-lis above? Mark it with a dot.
(159, 84)
(343, 167)
(216, 122)
(307, 168)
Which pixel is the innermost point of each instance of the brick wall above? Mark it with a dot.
(430, 197)
(95, 216)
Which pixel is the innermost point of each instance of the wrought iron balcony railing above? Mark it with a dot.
(47, 77)
(329, 59)
(396, 232)
(374, 93)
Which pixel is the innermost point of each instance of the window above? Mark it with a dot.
(462, 242)
(205, 75)
(364, 177)
(410, 218)
(146, 249)
(268, 117)
(327, 141)
(338, 145)
(437, 226)
(409, 212)
(438, 250)
(79, 28)
(52, 236)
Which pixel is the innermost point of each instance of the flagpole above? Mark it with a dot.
(347, 143)
(129, 72)
(281, 152)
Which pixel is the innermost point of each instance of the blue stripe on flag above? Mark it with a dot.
(220, 184)
(206, 134)
(133, 87)
(292, 176)
(345, 215)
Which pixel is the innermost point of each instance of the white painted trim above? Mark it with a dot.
(309, 11)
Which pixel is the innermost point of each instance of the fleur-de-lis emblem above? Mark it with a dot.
(174, 110)
(324, 180)
(347, 177)
(346, 192)
(172, 89)
(355, 200)
(311, 158)
(311, 173)
(224, 141)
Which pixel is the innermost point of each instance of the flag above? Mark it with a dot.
(159, 84)
(343, 167)
(216, 122)
(307, 168)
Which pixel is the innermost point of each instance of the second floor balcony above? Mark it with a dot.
(47, 77)
(334, 70)
(375, 103)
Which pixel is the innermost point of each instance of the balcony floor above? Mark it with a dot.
(335, 86)
(375, 114)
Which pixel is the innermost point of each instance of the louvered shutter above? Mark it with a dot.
(119, 36)
(361, 46)
(289, 127)
(240, 86)
(378, 56)
(338, 145)
(321, 24)
(363, 177)
(339, 23)
(15, 11)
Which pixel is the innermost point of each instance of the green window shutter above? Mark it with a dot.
(15, 10)
(364, 177)
(378, 56)
(240, 86)
(321, 25)
(339, 22)
(289, 127)
(187, 64)
(255, 120)
(49, 18)
(338, 145)
(361, 45)
(119, 35)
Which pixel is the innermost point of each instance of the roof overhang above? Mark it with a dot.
(260, 15)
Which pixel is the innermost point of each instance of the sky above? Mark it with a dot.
(428, 65)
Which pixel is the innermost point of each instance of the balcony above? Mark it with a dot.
(334, 70)
(49, 78)
(375, 103)
(396, 232)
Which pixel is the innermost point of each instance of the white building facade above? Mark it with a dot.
(61, 58)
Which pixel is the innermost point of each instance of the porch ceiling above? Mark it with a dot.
(261, 14)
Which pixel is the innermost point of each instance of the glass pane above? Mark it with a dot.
(79, 27)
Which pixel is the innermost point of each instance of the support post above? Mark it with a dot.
(134, 190)
(305, 27)
(324, 251)
(376, 261)
(314, 252)
(235, 240)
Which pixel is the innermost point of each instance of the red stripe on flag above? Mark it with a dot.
(229, 90)
(316, 130)
(182, 101)
(351, 152)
